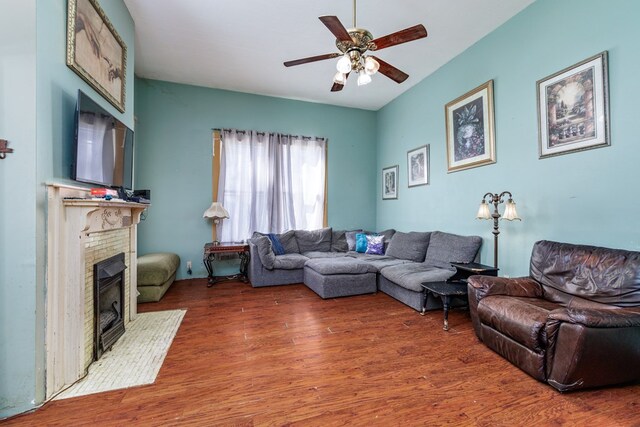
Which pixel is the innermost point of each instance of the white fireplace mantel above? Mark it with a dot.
(72, 217)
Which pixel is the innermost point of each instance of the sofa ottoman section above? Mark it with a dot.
(339, 277)
(156, 272)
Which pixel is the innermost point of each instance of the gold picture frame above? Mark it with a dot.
(95, 51)
(470, 129)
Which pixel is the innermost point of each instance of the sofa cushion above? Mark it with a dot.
(265, 253)
(602, 275)
(521, 319)
(339, 241)
(380, 262)
(351, 239)
(287, 240)
(314, 240)
(411, 276)
(290, 261)
(315, 254)
(340, 266)
(411, 246)
(447, 247)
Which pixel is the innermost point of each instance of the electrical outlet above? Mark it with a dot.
(189, 265)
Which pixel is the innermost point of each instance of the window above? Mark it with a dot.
(271, 183)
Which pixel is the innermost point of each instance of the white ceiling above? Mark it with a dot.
(240, 45)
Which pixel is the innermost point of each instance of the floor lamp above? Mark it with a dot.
(510, 214)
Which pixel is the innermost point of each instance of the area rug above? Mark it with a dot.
(135, 359)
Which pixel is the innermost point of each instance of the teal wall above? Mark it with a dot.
(173, 158)
(37, 116)
(581, 197)
(18, 299)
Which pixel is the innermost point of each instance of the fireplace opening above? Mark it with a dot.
(108, 297)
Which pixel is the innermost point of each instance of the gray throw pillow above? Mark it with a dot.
(447, 247)
(265, 253)
(411, 246)
(351, 239)
(339, 241)
(314, 240)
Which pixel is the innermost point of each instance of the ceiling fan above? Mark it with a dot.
(353, 44)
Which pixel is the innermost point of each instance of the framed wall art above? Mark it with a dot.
(95, 51)
(573, 108)
(470, 129)
(418, 166)
(390, 183)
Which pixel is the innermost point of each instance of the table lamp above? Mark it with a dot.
(217, 212)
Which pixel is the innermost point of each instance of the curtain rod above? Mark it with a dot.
(264, 133)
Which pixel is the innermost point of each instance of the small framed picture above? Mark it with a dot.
(573, 108)
(390, 182)
(418, 166)
(470, 129)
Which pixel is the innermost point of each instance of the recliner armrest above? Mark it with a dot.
(484, 286)
(598, 317)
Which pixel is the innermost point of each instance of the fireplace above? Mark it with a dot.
(109, 303)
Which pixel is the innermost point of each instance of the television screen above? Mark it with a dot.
(104, 147)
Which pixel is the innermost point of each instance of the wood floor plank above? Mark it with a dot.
(278, 356)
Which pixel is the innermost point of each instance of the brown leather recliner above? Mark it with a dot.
(574, 323)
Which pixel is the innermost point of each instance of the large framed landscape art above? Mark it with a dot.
(470, 129)
(95, 51)
(573, 108)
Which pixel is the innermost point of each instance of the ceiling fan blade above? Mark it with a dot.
(311, 59)
(337, 86)
(399, 37)
(335, 26)
(390, 71)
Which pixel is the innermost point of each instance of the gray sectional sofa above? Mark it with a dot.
(325, 260)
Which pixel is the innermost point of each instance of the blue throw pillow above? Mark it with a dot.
(361, 243)
(276, 246)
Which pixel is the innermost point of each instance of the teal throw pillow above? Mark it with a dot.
(361, 243)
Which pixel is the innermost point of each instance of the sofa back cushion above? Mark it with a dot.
(265, 253)
(314, 240)
(447, 247)
(287, 240)
(602, 275)
(339, 241)
(351, 239)
(411, 246)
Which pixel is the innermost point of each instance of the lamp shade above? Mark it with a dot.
(510, 213)
(216, 211)
(483, 211)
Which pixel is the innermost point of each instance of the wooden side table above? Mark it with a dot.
(213, 249)
(455, 286)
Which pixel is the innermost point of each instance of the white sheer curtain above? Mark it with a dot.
(271, 183)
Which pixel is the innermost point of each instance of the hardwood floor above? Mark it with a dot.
(283, 356)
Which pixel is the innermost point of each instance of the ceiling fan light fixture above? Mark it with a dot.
(363, 78)
(371, 66)
(344, 64)
(340, 78)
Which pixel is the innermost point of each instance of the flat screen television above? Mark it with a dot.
(104, 147)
